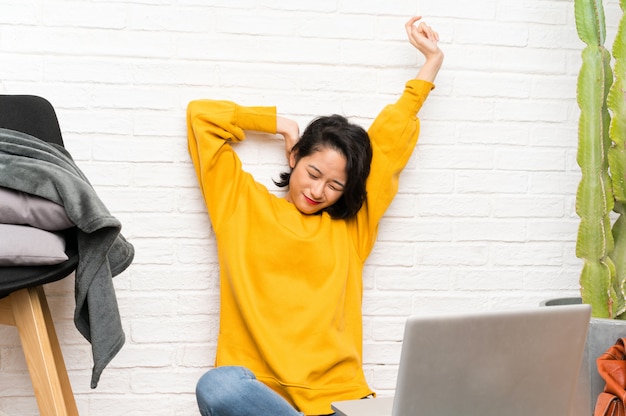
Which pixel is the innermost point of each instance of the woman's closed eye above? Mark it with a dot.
(336, 187)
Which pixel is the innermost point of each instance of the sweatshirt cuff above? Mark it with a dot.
(415, 93)
(261, 119)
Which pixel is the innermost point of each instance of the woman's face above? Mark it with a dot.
(317, 181)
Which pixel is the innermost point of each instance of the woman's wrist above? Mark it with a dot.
(287, 127)
(290, 131)
(430, 69)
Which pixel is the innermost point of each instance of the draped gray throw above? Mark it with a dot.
(36, 167)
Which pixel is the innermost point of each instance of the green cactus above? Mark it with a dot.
(616, 102)
(602, 159)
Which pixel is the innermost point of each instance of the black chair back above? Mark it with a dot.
(31, 115)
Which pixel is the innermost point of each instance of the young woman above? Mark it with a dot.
(290, 339)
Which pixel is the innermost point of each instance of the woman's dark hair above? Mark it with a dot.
(351, 141)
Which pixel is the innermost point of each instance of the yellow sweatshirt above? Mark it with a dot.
(291, 284)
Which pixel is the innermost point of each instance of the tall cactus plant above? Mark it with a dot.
(602, 159)
(616, 102)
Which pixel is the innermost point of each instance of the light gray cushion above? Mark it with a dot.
(23, 245)
(21, 208)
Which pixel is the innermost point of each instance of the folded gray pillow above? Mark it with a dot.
(25, 209)
(23, 245)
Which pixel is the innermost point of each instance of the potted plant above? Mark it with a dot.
(601, 194)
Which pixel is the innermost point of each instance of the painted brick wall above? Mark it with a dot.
(485, 214)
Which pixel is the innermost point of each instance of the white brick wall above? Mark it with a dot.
(484, 218)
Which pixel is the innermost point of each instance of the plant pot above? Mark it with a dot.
(601, 335)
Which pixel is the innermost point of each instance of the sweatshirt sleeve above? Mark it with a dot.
(394, 135)
(211, 125)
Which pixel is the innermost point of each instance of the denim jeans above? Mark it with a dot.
(235, 391)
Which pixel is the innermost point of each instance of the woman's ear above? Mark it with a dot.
(292, 159)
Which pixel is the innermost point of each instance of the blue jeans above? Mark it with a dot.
(235, 391)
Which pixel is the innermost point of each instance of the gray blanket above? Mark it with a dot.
(36, 167)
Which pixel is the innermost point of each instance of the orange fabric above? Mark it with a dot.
(612, 368)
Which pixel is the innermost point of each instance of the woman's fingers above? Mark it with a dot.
(409, 26)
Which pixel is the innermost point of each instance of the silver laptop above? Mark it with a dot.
(514, 363)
